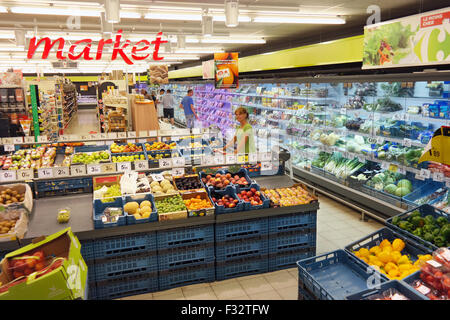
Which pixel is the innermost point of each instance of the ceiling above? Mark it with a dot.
(275, 35)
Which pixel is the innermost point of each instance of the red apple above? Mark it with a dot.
(17, 274)
(253, 190)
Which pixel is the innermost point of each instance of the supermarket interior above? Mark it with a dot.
(224, 150)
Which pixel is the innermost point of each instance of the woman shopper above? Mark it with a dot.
(243, 137)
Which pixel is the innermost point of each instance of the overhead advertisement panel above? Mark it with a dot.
(422, 39)
(226, 70)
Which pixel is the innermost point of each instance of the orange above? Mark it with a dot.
(221, 55)
(234, 55)
(234, 68)
(230, 78)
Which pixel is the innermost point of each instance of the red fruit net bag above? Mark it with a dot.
(442, 255)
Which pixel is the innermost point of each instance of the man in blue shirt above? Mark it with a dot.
(187, 104)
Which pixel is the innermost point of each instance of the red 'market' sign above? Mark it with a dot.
(118, 48)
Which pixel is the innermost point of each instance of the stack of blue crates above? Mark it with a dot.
(185, 256)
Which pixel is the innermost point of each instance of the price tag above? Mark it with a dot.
(385, 165)
(112, 135)
(219, 159)
(165, 163)
(152, 133)
(74, 137)
(177, 172)
(401, 170)
(84, 137)
(143, 133)
(17, 140)
(196, 131)
(45, 173)
(207, 160)
(407, 142)
(141, 165)
(61, 172)
(425, 173)
(94, 136)
(438, 176)
(7, 175)
(7, 140)
(29, 139)
(100, 143)
(142, 140)
(25, 174)
(42, 139)
(121, 135)
(123, 166)
(64, 138)
(241, 158)
(380, 140)
(109, 142)
(253, 158)
(131, 134)
(131, 140)
(230, 159)
(178, 162)
(93, 169)
(103, 136)
(157, 177)
(108, 167)
(393, 168)
(9, 147)
(78, 170)
(266, 166)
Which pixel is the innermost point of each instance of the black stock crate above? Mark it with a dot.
(293, 222)
(241, 229)
(182, 277)
(126, 244)
(175, 258)
(242, 248)
(128, 286)
(241, 267)
(181, 237)
(288, 259)
(287, 241)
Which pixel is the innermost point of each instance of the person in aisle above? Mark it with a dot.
(168, 103)
(159, 103)
(154, 100)
(145, 94)
(187, 104)
(243, 137)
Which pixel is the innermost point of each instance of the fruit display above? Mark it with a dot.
(9, 196)
(390, 294)
(292, 196)
(6, 226)
(63, 215)
(162, 187)
(198, 202)
(253, 196)
(226, 201)
(91, 157)
(159, 146)
(131, 158)
(129, 147)
(106, 193)
(189, 182)
(388, 259)
(428, 228)
(26, 264)
(111, 215)
(392, 183)
(41, 157)
(67, 161)
(139, 211)
(170, 204)
(159, 156)
(220, 181)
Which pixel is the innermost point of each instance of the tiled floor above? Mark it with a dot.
(84, 121)
(337, 226)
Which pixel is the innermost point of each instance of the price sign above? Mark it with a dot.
(94, 136)
(112, 135)
(108, 168)
(7, 175)
(17, 140)
(42, 139)
(152, 133)
(103, 136)
(419, 177)
(61, 172)
(93, 169)
(407, 142)
(131, 134)
(241, 158)
(207, 160)
(64, 138)
(141, 165)
(175, 139)
(178, 162)
(131, 140)
(266, 166)
(25, 174)
(121, 135)
(142, 140)
(29, 139)
(74, 137)
(252, 157)
(109, 142)
(7, 140)
(165, 163)
(196, 131)
(401, 170)
(157, 177)
(393, 168)
(45, 173)
(9, 147)
(177, 172)
(100, 143)
(230, 159)
(84, 137)
(385, 165)
(380, 140)
(123, 166)
(219, 159)
(78, 170)
(438, 176)
(143, 133)
(425, 173)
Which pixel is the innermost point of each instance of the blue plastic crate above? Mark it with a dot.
(185, 257)
(126, 244)
(244, 248)
(412, 248)
(129, 286)
(92, 293)
(292, 240)
(304, 295)
(248, 205)
(63, 184)
(293, 222)
(87, 250)
(399, 286)
(139, 198)
(99, 207)
(425, 190)
(182, 237)
(241, 173)
(241, 229)
(288, 259)
(218, 194)
(90, 148)
(409, 280)
(129, 154)
(241, 267)
(424, 210)
(186, 276)
(119, 267)
(333, 276)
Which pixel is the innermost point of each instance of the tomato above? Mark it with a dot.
(28, 271)
(20, 265)
(429, 279)
(30, 263)
(40, 255)
(446, 282)
(17, 274)
(432, 296)
(39, 266)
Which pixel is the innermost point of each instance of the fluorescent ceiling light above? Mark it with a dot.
(130, 15)
(7, 35)
(233, 40)
(174, 16)
(11, 49)
(199, 50)
(222, 18)
(187, 57)
(300, 19)
(3, 9)
(57, 11)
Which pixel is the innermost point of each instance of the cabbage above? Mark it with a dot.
(401, 192)
(390, 188)
(405, 183)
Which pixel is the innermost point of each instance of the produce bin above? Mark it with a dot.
(423, 191)
(127, 154)
(333, 276)
(286, 241)
(424, 210)
(396, 285)
(241, 173)
(201, 212)
(175, 258)
(247, 205)
(218, 194)
(182, 214)
(292, 222)
(99, 207)
(90, 148)
(89, 153)
(131, 152)
(194, 177)
(288, 259)
(409, 280)
(139, 198)
(241, 267)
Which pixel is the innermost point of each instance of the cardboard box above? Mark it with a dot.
(68, 281)
(170, 215)
(105, 181)
(27, 203)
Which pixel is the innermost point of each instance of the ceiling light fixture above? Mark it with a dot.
(3, 9)
(56, 11)
(307, 19)
(199, 50)
(207, 24)
(112, 10)
(233, 40)
(231, 13)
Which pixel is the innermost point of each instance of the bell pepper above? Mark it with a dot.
(445, 232)
(442, 221)
(439, 241)
(429, 219)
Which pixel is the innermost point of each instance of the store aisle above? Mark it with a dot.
(84, 121)
(337, 226)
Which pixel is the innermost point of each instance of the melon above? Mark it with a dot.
(146, 203)
(154, 184)
(131, 207)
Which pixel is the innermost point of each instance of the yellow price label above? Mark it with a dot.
(109, 167)
(393, 168)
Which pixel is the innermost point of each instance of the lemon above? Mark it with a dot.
(398, 244)
(363, 252)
